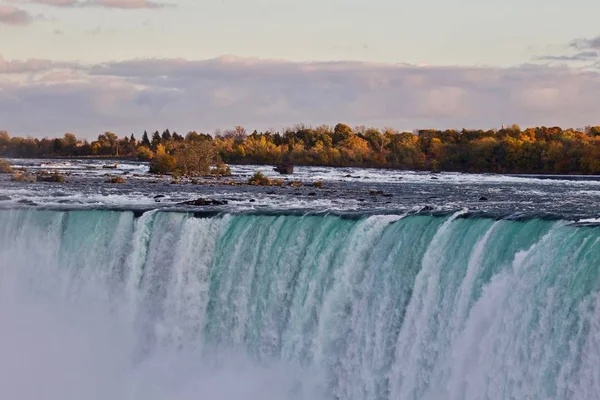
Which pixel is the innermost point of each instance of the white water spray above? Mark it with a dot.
(99, 304)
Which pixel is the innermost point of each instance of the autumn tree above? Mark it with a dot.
(541, 149)
(341, 132)
(4, 142)
(162, 163)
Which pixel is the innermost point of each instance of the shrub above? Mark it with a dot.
(259, 179)
(222, 169)
(23, 177)
(50, 177)
(116, 179)
(318, 184)
(5, 167)
(190, 159)
(197, 159)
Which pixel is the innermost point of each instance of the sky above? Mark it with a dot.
(125, 66)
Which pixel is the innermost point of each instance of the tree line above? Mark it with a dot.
(507, 150)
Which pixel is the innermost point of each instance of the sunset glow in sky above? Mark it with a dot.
(87, 66)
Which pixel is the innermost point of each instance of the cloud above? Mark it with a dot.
(586, 44)
(14, 16)
(56, 3)
(123, 4)
(581, 56)
(587, 51)
(126, 4)
(33, 66)
(183, 95)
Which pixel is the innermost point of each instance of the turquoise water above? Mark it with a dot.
(100, 304)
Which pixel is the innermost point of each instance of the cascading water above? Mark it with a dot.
(101, 304)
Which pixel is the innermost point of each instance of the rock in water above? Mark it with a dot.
(284, 169)
(27, 202)
(204, 202)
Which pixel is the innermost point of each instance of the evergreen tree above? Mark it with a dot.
(145, 140)
(166, 136)
(155, 139)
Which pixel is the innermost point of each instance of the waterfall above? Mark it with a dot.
(106, 304)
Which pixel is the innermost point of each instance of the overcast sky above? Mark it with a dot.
(87, 66)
